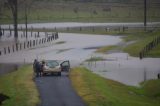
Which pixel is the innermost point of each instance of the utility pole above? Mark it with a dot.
(145, 13)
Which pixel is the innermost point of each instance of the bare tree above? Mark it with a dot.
(26, 4)
(13, 5)
(1, 8)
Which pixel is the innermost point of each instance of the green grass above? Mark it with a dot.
(48, 11)
(20, 87)
(105, 49)
(95, 59)
(98, 91)
(142, 39)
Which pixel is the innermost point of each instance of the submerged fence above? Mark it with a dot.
(18, 46)
(149, 47)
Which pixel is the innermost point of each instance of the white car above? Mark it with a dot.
(54, 66)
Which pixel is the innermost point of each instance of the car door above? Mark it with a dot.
(65, 66)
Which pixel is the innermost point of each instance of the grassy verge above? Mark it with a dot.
(142, 39)
(97, 91)
(19, 86)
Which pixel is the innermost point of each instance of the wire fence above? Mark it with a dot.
(149, 47)
(34, 39)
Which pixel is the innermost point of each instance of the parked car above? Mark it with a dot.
(55, 67)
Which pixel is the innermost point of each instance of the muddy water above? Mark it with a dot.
(79, 24)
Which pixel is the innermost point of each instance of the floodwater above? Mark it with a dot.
(125, 69)
(117, 66)
(71, 49)
(79, 24)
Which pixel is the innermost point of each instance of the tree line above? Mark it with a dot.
(13, 6)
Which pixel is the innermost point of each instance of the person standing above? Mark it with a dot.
(36, 68)
(42, 67)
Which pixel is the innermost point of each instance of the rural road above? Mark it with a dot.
(57, 91)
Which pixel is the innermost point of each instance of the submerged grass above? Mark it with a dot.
(95, 59)
(98, 91)
(105, 49)
(20, 88)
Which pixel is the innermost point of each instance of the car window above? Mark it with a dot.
(66, 63)
(52, 64)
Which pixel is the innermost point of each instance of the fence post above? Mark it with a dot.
(39, 41)
(30, 43)
(21, 28)
(16, 46)
(31, 33)
(24, 45)
(24, 33)
(145, 74)
(158, 75)
(38, 34)
(10, 30)
(80, 28)
(33, 43)
(123, 29)
(93, 29)
(8, 49)
(3, 31)
(20, 46)
(13, 48)
(36, 41)
(4, 50)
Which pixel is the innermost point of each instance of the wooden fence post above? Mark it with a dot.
(2, 31)
(24, 45)
(20, 46)
(13, 48)
(16, 46)
(30, 43)
(8, 49)
(33, 42)
(4, 50)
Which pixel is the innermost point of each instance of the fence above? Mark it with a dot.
(149, 47)
(28, 44)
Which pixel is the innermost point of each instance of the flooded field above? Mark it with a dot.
(72, 48)
(77, 48)
(125, 69)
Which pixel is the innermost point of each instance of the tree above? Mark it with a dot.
(1, 8)
(26, 5)
(13, 5)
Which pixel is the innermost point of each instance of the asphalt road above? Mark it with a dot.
(57, 91)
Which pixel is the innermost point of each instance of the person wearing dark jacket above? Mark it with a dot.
(42, 68)
(36, 68)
